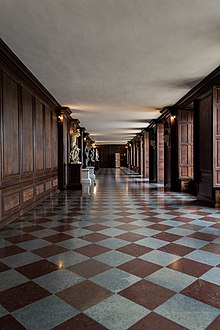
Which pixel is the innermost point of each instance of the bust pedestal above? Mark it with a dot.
(85, 177)
(74, 176)
(92, 174)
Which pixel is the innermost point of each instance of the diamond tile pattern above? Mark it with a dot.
(126, 255)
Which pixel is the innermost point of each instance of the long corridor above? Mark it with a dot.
(125, 256)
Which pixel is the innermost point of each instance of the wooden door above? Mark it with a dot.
(117, 160)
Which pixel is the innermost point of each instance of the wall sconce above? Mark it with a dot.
(84, 139)
(173, 117)
(60, 118)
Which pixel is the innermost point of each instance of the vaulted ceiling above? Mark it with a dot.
(115, 63)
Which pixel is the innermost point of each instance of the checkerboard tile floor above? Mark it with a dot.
(125, 256)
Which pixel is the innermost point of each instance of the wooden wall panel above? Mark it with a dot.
(54, 142)
(107, 155)
(10, 128)
(48, 139)
(146, 154)
(216, 136)
(185, 138)
(27, 133)
(28, 171)
(160, 153)
(39, 136)
(153, 154)
(204, 148)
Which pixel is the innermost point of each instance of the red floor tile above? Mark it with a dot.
(84, 295)
(134, 249)
(203, 236)
(190, 267)
(37, 269)
(147, 294)
(167, 237)
(63, 228)
(10, 251)
(92, 250)
(158, 226)
(89, 268)
(57, 238)
(154, 321)
(3, 267)
(20, 238)
(96, 227)
(177, 249)
(204, 291)
(212, 247)
(8, 322)
(139, 267)
(215, 325)
(131, 237)
(32, 228)
(80, 322)
(94, 237)
(21, 295)
(49, 251)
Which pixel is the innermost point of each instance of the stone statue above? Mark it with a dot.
(97, 156)
(74, 150)
(86, 155)
(92, 157)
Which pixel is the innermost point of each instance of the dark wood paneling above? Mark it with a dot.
(216, 135)
(160, 153)
(39, 136)
(48, 138)
(146, 154)
(29, 172)
(27, 133)
(10, 127)
(107, 155)
(185, 131)
(171, 167)
(153, 155)
(204, 148)
(54, 142)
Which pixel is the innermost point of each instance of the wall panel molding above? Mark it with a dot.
(29, 139)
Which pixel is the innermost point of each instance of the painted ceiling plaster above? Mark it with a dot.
(114, 62)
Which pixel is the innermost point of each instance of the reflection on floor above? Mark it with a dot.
(127, 256)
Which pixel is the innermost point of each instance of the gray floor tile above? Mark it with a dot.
(188, 312)
(45, 313)
(117, 312)
(115, 280)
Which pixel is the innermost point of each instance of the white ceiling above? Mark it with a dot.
(115, 62)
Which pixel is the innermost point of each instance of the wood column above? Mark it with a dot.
(171, 167)
(216, 145)
(146, 154)
(185, 149)
(160, 153)
(152, 153)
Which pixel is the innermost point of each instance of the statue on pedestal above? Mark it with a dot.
(86, 156)
(74, 150)
(92, 157)
(96, 156)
